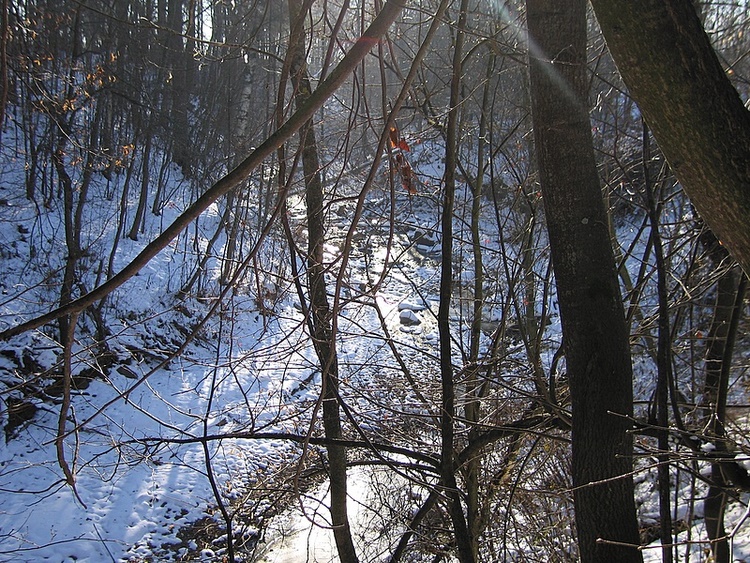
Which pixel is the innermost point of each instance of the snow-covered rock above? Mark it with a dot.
(409, 318)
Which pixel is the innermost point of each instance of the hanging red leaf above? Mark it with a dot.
(393, 134)
(408, 178)
(406, 173)
(403, 145)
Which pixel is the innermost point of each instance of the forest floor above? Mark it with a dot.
(147, 470)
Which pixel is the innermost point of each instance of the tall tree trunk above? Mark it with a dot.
(72, 239)
(474, 387)
(593, 322)
(697, 117)
(179, 62)
(730, 289)
(140, 212)
(320, 310)
(4, 82)
(448, 386)
(663, 358)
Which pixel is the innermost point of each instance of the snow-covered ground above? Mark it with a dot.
(130, 497)
(137, 496)
(148, 469)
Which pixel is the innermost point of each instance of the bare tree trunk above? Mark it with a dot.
(663, 359)
(696, 115)
(121, 216)
(74, 196)
(473, 384)
(593, 322)
(4, 82)
(140, 212)
(448, 385)
(179, 62)
(72, 240)
(730, 289)
(320, 311)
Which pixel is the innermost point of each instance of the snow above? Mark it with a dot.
(415, 304)
(408, 317)
(707, 447)
(136, 441)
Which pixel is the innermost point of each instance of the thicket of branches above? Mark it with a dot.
(417, 178)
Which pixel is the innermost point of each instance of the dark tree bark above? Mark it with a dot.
(730, 290)
(178, 63)
(464, 541)
(140, 212)
(320, 310)
(593, 322)
(4, 82)
(663, 358)
(696, 116)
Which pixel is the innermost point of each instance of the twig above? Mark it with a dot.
(65, 406)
